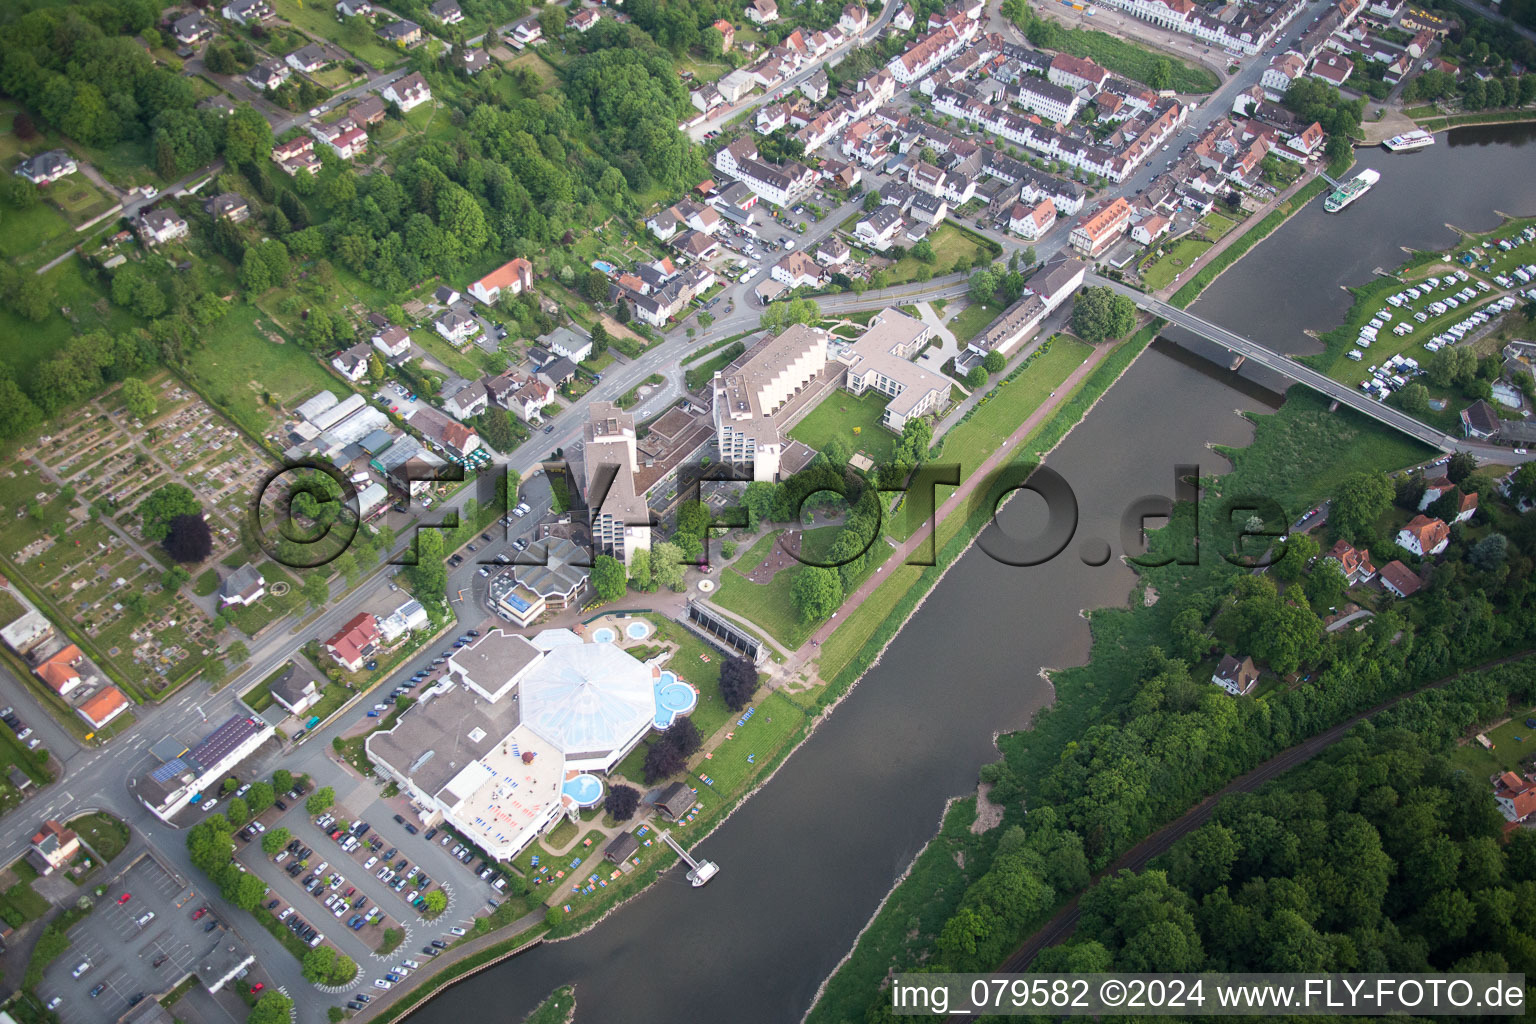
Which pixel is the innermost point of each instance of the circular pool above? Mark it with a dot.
(586, 789)
(604, 635)
(673, 697)
(638, 630)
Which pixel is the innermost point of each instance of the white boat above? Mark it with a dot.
(1416, 139)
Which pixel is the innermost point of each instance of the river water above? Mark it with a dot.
(805, 861)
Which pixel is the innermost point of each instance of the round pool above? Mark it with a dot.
(586, 789)
(604, 635)
(638, 630)
(673, 697)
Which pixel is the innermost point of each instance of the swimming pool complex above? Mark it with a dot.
(604, 635)
(673, 697)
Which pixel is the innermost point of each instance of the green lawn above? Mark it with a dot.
(102, 833)
(1217, 225)
(79, 199)
(27, 344)
(1507, 752)
(28, 232)
(250, 619)
(1132, 61)
(768, 606)
(320, 19)
(774, 723)
(1176, 260)
(240, 362)
(855, 419)
(950, 244)
(972, 320)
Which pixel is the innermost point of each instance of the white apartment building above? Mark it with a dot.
(747, 399)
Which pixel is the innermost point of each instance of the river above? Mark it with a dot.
(805, 861)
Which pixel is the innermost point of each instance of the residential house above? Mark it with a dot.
(296, 691)
(393, 343)
(342, 137)
(761, 12)
(904, 19)
(407, 93)
(473, 61)
(192, 29)
(1424, 536)
(832, 252)
(401, 33)
(1032, 223)
(1038, 96)
(1354, 563)
(513, 277)
(269, 74)
(1479, 421)
(1308, 140)
(1099, 231)
(354, 9)
(727, 35)
(1283, 69)
(1236, 677)
(522, 394)
(61, 670)
(1398, 579)
(798, 270)
(246, 12)
(1076, 73)
(526, 33)
(1466, 507)
(455, 328)
(1434, 487)
(446, 434)
(1150, 229)
(854, 20)
(352, 363)
(297, 154)
(159, 226)
(308, 58)
(1333, 68)
(46, 168)
(52, 848)
(573, 345)
(367, 112)
(469, 401)
(1515, 797)
(877, 230)
(245, 586)
(230, 206)
(446, 295)
(815, 87)
(355, 642)
(102, 706)
(446, 12)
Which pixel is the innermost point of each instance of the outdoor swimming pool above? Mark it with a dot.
(586, 789)
(638, 630)
(673, 697)
(604, 635)
(603, 265)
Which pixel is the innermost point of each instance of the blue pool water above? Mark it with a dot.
(604, 635)
(586, 789)
(638, 630)
(673, 697)
(603, 265)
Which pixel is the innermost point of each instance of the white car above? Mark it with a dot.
(381, 983)
(148, 916)
(83, 966)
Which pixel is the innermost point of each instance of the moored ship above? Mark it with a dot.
(1416, 139)
(1351, 190)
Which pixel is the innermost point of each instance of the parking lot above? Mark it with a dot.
(127, 953)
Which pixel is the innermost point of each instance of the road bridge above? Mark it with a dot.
(1286, 366)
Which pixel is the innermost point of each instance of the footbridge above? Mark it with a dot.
(1270, 359)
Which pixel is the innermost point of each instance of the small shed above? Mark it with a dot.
(676, 800)
(621, 847)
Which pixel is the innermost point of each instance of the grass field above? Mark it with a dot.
(320, 20)
(1513, 742)
(767, 605)
(103, 833)
(1132, 61)
(1176, 260)
(28, 233)
(950, 244)
(240, 363)
(79, 199)
(751, 746)
(854, 419)
(1217, 225)
(972, 320)
(28, 344)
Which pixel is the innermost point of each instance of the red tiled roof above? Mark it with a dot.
(1429, 532)
(103, 704)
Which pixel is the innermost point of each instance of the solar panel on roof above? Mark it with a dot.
(169, 770)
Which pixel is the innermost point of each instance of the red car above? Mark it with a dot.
(199, 912)
(257, 987)
(124, 898)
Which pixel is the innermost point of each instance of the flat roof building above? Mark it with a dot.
(621, 520)
(168, 789)
(881, 359)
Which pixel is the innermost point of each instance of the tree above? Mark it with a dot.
(429, 576)
(316, 589)
(435, 902)
(188, 538)
(621, 802)
(1414, 399)
(600, 338)
(640, 571)
(738, 681)
(163, 505)
(274, 839)
(923, 252)
(983, 283)
(667, 565)
(1358, 502)
(324, 966)
(816, 592)
(994, 362)
(552, 20)
(1300, 549)
(34, 299)
(1162, 75)
(320, 800)
(608, 578)
(139, 398)
(871, 200)
(1461, 466)
(282, 780)
(239, 812)
(1099, 314)
(976, 378)
(1489, 553)
(260, 797)
(1326, 585)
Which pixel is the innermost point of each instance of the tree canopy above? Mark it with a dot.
(1098, 313)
